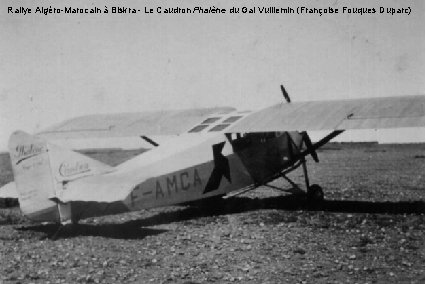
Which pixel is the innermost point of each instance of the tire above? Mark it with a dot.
(315, 194)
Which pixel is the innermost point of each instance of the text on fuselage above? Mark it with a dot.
(169, 185)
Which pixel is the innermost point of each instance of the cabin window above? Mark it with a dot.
(198, 128)
(231, 119)
(219, 127)
(240, 141)
(210, 120)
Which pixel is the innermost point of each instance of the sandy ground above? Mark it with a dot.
(369, 230)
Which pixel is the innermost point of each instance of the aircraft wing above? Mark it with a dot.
(170, 122)
(369, 113)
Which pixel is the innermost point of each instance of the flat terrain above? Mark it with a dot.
(369, 230)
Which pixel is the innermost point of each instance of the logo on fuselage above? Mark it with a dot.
(23, 152)
(71, 169)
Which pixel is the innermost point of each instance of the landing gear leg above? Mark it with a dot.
(305, 172)
(314, 195)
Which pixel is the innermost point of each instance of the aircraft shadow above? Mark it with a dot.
(136, 229)
(114, 231)
(286, 203)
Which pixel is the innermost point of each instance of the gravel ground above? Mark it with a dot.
(369, 230)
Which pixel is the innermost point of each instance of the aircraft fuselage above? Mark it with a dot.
(231, 163)
(187, 168)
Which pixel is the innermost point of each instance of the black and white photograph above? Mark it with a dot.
(212, 141)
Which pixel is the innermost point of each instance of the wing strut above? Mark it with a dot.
(150, 141)
(321, 143)
(309, 145)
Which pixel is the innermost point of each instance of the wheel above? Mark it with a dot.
(315, 194)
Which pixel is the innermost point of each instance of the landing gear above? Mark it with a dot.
(314, 193)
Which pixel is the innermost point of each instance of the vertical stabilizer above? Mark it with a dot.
(33, 176)
(41, 172)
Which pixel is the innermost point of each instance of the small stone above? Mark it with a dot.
(406, 263)
(299, 251)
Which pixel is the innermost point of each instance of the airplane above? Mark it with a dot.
(210, 153)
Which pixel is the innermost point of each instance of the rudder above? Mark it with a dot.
(33, 176)
(42, 170)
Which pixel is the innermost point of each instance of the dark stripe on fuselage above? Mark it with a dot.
(221, 168)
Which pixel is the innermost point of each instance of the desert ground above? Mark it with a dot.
(370, 229)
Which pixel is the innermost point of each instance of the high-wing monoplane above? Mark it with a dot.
(216, 152)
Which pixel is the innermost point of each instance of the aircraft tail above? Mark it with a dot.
(41, 170)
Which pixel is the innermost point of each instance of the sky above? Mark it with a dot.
(58, 66)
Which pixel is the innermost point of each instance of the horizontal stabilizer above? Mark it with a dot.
(9, 190)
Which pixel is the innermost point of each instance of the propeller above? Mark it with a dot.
(310, 147)
(285, 94)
